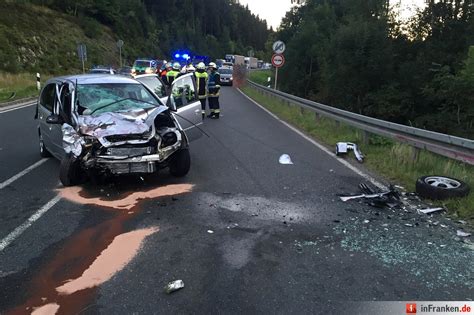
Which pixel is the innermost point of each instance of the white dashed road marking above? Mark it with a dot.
(22, 228)
(21, 174)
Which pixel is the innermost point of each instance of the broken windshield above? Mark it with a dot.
(93, 99)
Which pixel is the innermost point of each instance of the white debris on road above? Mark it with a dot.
(285, 159)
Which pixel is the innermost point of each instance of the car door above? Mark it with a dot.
(45, 109)
(183, 92)
(154, 83)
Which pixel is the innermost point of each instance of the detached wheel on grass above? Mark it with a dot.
(180, 163)
(70, 171)
(441, 187)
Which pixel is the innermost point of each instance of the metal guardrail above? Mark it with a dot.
(457, 148)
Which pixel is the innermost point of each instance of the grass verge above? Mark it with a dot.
(261, 76)
(392, 160)
(20, 85)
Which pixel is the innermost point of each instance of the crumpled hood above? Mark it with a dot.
(123, 123)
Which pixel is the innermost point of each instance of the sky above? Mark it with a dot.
(274, 10)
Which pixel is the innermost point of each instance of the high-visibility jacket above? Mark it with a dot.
(171, 76)
(201, 83)
(214, 84)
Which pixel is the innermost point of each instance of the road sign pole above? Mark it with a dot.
(120, 49)
(83, 66)
(276, 78)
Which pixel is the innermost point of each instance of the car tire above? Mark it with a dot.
(42, 147)
(69, 171)
(441, 187)
(180, 163)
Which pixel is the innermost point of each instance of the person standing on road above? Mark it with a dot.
(201, 83)
(173, 74)
(168, 68)
(214, 87)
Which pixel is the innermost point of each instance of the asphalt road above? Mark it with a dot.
(281, 241)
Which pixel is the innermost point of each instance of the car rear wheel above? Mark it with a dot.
(70, 171)
(180, 163)
(42, 147)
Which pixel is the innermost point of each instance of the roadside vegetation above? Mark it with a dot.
(17, 86)
(393, 161)
(261, 77)
(364, 57)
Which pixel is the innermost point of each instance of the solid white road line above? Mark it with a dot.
(22, 228)
(21, 174)
(323, 148)
(15, 107)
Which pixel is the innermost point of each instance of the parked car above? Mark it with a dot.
(145, 66)
(113, 125)
(226, 75)
(102, 70)
(126, 71)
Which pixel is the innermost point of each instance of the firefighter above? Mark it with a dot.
(201, 84)
(190, 69)
(173, 74)
(214, 87)
(168, 68)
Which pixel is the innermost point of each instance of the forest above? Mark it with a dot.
(361, 56)
(153, 28)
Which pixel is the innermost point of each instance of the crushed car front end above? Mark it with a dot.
(125, 143)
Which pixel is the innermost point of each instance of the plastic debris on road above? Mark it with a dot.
(390, 198)
(344, 147)
(461, 233)
(210, 231)
(431, 210)
(285, 159)
(174, 286)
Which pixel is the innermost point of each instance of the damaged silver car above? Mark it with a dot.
(112, 125)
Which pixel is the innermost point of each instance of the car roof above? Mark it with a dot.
(94, 79)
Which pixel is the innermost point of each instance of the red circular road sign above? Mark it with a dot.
(278, 60)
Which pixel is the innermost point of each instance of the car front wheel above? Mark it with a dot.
(70, 171)
(180, 163)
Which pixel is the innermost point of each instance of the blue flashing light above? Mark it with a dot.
(185, 56)
(177, 56)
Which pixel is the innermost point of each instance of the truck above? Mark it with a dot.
(253, 63)
(239, 60)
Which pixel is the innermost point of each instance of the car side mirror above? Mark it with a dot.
(54, 120)
(170, 103)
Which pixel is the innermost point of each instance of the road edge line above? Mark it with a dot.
(21, 174)
(320, 146)
(11, 108)
(10, 238)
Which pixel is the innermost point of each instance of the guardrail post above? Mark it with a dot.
(415, 153)
(301, 110)
(317, 117)
(365, 137)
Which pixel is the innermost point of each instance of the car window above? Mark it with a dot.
(47, 96)
(141, 63)
(95, 98)
(183, 91)
(154, 84)
(225, 71)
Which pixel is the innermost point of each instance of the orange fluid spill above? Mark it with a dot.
(113, 259)
(128, 202)
(90, 256)
(48, 309)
